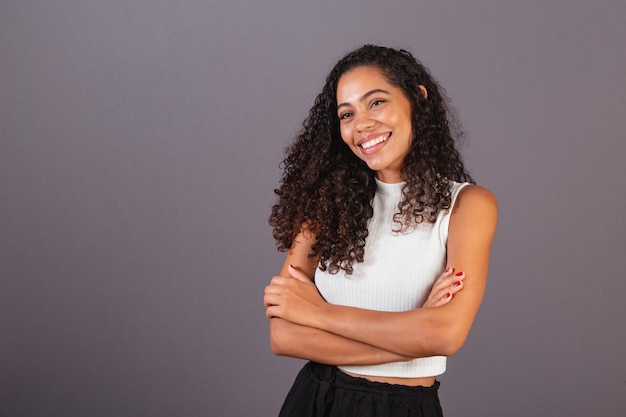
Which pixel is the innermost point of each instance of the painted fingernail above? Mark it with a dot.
(456, 284)
(447, 269)
(447, 295)
(458, 274)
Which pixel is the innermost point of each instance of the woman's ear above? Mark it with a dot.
(424, 91)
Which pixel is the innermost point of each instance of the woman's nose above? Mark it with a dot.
(364, 123)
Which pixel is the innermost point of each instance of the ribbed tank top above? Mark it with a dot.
(397, 274)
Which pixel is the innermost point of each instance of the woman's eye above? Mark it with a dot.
(377, 102)
(345, 115)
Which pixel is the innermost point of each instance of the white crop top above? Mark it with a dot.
(397, 274)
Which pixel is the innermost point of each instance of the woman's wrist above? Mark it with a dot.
(323, 319)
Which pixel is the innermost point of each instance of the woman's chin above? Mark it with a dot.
(375, 164)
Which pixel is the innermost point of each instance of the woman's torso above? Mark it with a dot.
(397, 274)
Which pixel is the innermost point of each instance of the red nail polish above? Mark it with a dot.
(447, 295)
(458, 274)
(447, 269)
(456, 284)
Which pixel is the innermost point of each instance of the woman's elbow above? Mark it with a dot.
(278, 338)
(446, 333)
(449, 347)
(277, 345)
(450, 341)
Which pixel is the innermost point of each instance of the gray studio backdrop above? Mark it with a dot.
(139, 148)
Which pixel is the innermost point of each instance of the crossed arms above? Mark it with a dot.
(304, 325)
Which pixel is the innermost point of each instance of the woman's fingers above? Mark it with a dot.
(287, 294)
(272, 300)
(448, 284)
(274, 289)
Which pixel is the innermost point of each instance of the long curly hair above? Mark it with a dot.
(326, 189)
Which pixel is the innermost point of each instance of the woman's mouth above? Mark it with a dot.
(373, 142)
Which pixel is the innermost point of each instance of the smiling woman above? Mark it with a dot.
(387, 243)
(375, 121)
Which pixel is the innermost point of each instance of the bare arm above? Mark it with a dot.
(416, 333)
(298, 341)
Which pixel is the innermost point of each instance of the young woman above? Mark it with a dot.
(387, 243)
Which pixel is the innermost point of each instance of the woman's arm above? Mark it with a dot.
(294, 340)
(416, 333)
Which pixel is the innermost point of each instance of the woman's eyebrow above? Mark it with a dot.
(365, 96)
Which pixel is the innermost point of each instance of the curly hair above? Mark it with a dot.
(326, 189)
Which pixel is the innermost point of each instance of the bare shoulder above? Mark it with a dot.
(475, 204)
(471, 231)
(476, 198)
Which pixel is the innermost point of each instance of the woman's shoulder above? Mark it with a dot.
(474, 217)
(474, 199)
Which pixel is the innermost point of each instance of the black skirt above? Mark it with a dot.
(323, 391)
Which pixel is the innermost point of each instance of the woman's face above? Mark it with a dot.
(375, 121)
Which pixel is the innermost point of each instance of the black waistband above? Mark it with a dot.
(331, 375)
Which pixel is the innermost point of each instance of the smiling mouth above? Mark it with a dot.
(374, 142)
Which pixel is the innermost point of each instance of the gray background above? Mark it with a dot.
(139, 147)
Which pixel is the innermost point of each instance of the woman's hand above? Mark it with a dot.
(444, 288)
(294, 298)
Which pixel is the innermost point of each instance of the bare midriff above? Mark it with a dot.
(411, 382)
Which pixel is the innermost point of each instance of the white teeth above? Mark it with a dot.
(373, 142)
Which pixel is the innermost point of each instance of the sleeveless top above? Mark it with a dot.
(397, 274)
